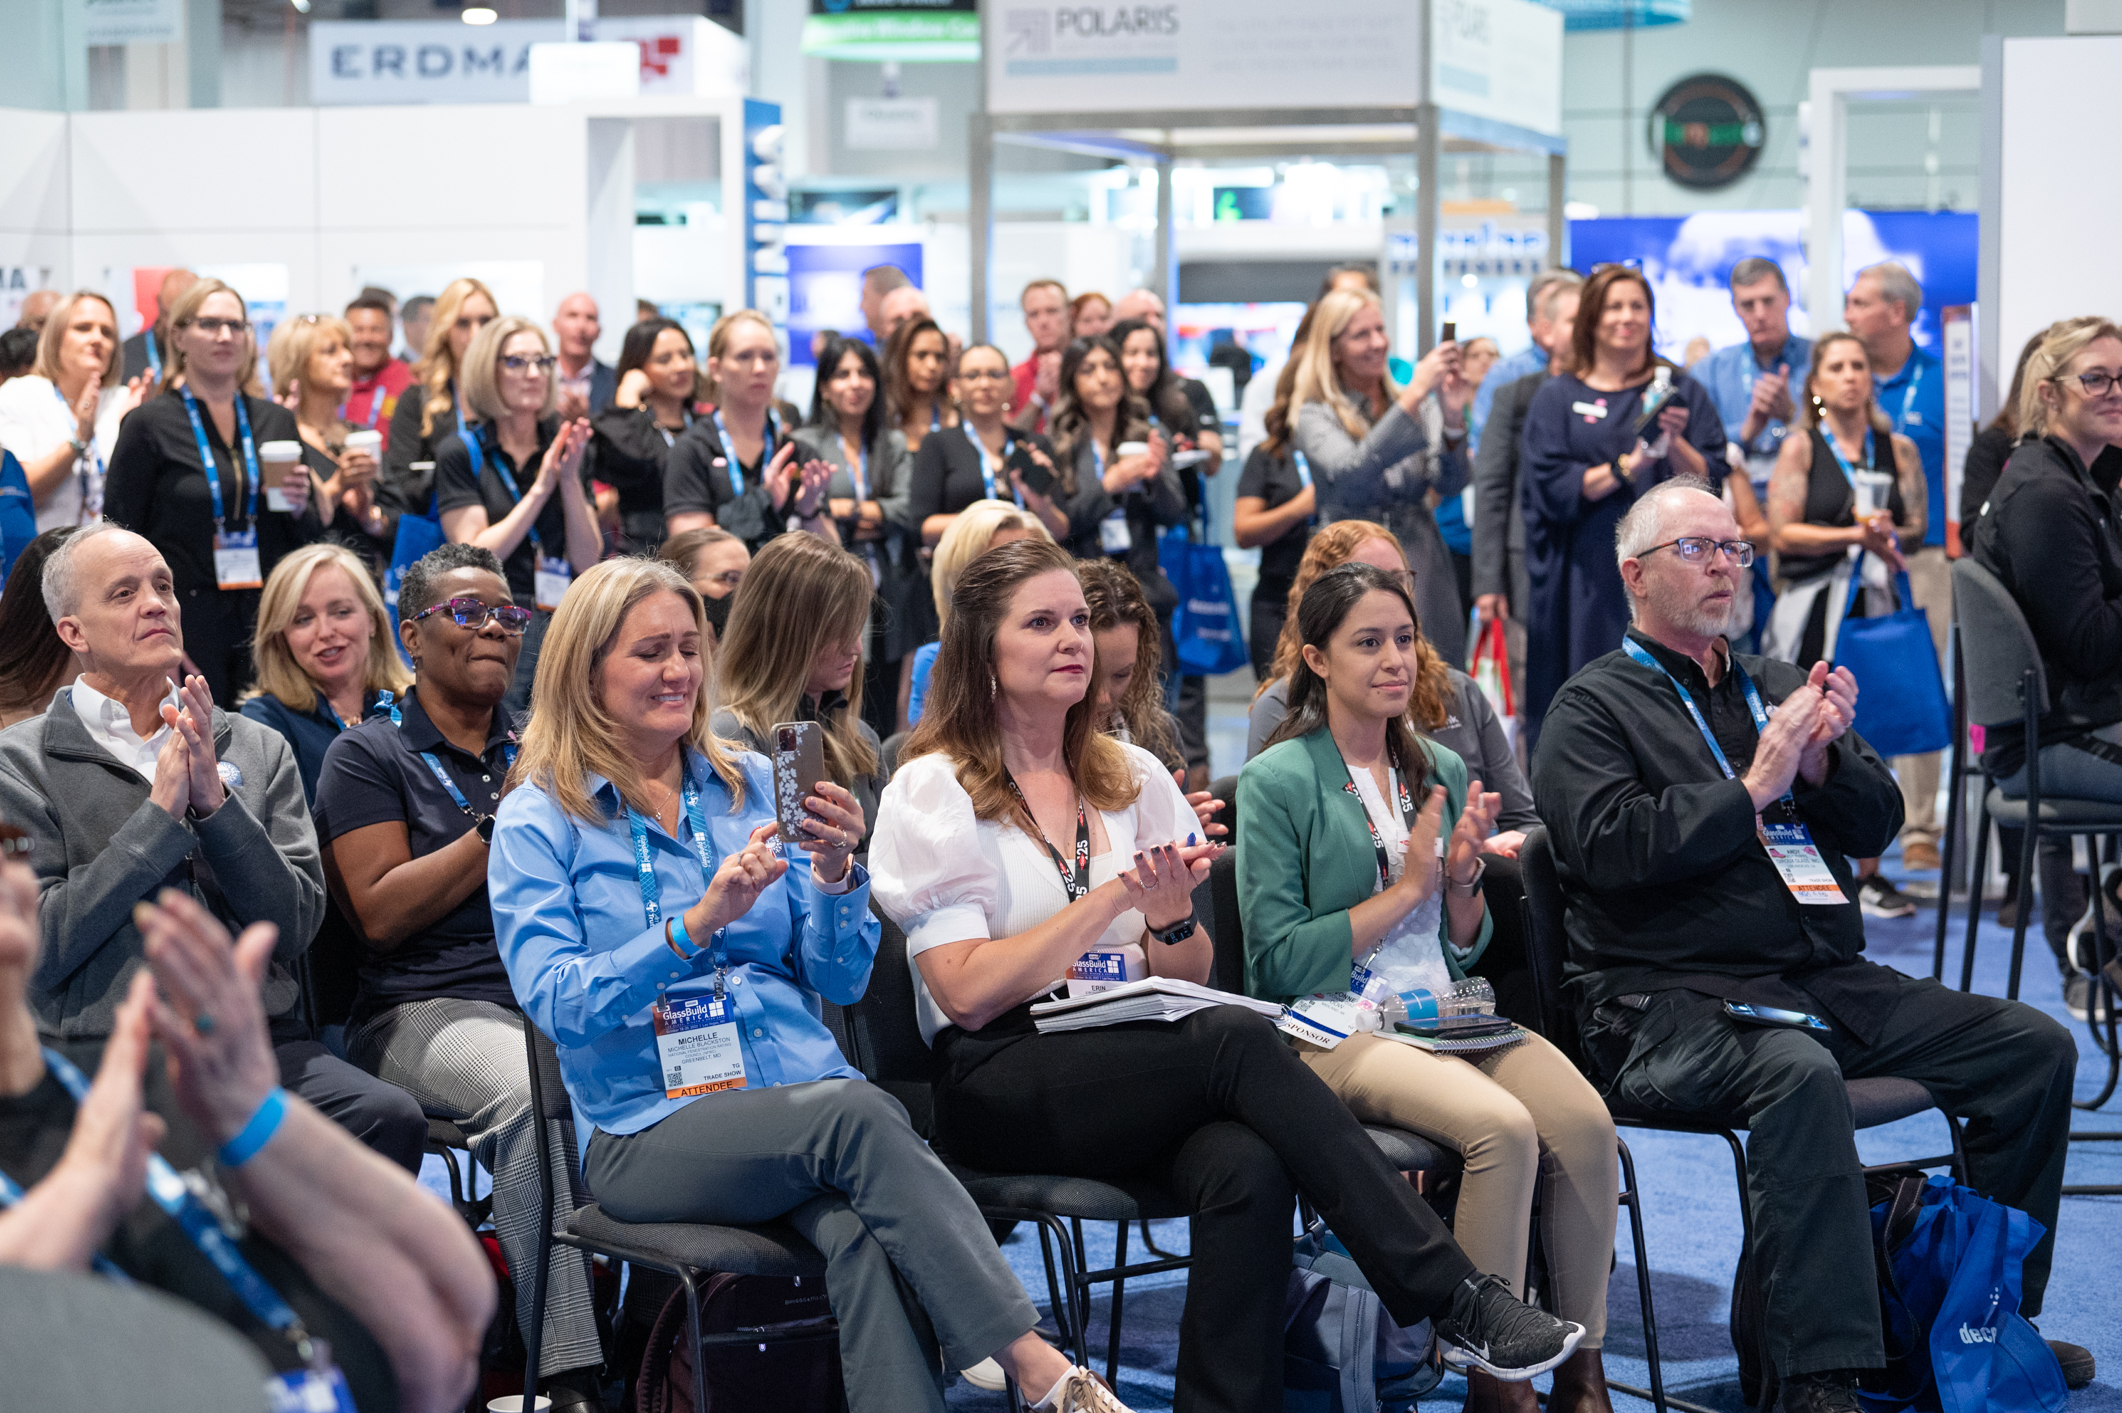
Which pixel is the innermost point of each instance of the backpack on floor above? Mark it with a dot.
(790, 1376)
(1341, 1353)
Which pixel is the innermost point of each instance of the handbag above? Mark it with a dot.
(1341, 1353)
(1205, 629)
(1489, 666)
(1902, 709)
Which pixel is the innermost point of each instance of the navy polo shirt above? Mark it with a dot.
(374, 774)
(310, 733)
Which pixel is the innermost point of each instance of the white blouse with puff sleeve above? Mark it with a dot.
(945, 876)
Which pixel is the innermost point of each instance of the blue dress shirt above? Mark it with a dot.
(1914, 399)
(569, 920)
(1501, 374)
(1729, 374)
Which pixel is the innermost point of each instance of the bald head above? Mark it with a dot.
(37, 306)
(1140, 304)
(174, 284)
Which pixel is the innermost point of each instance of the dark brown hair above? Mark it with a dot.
(33, 658)
(1115, 599)
(1326, 604)
(1583, 339)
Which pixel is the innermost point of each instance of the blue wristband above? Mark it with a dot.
(679, 935)
(257, 1133)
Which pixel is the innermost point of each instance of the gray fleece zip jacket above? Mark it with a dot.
(98, 846)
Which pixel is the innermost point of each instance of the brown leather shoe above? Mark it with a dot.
(1920, 857)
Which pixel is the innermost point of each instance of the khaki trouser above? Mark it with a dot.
(1930, 579)
(1515, 1115)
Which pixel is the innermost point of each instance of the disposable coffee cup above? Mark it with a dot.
(513, 1403)
(368, 441)
(1872, 489)
(1131, 449)
(278, 460)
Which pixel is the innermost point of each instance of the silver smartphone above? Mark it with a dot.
(1773, 1015)
(799, 764)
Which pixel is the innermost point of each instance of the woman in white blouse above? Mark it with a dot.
(1018, 844)
(61, 420)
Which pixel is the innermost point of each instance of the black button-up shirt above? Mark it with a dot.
(1666, 880)
(373, 774)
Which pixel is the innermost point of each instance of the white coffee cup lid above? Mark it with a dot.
(280, 451)
(1132, 449)
(364, 437)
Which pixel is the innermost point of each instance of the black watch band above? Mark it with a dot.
(1178, 932)
(485, 829)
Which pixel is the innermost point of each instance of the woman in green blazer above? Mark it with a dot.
(1344, 859)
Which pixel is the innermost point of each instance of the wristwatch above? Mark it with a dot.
(1472, 885)
(80, 447)
(1178, 932)
(485, 829)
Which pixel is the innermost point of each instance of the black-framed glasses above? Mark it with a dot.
(468, 612)
(2096, 383)
(215, 328)
(529, 362)
(1697, 549)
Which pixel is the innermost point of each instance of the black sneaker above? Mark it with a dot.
(1879, 898)
(1491, 1330)
(1833, 1392)
(2077, 1362)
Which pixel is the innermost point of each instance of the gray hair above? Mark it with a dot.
(1896, 286)
(62, 580)
(1754, 268)
(1642, 527)
(1541, 290)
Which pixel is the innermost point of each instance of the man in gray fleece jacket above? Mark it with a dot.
(131, 783)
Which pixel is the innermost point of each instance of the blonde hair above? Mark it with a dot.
(437, 368)
(2066, 339)
(571, 736)
(480, 377)
(289, 350)
(1316, 380)
(967, 539)
(187, 309)
(54, 334)
(800, 597)
(718, 344)
(278, 674)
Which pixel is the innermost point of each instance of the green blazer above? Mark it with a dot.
(1305, 858)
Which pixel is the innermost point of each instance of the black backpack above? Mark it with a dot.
(799, 1375)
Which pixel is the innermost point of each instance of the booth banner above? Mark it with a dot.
(1073, 57)
(445, 61)
(132, 21)
(1498, 59)
(933, 31)
(1958, 324)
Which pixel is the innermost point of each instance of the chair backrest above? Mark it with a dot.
(1996, 648)
(548, 1090)
(1229, 928)
(1546, 943)
(886, 1030)
(1226, 790)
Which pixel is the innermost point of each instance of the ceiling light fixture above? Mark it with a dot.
(480, 15)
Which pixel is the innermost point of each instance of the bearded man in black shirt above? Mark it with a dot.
(1703, 805)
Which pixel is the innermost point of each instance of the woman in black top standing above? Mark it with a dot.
(658, 382)
(312, 361)
(917, 381)
(1150, 377)
(736, 467)
(433, 409)
(540, 523)
(1275, 509)
(221, 534)
(970, 461)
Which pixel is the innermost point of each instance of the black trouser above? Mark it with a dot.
(2003, 1068)
(217, 638)
(1270, 605)
(1218, 1107)
(2062, 892)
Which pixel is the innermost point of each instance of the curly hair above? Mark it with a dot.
(1114, 596)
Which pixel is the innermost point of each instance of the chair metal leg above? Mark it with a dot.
(1974, 893)
(1112, 1335)
(1632, 1198)
(1061, 1293)
(692, 1332)
(2029, 841)
(1955, 812)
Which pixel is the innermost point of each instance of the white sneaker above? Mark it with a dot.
(986, 1374)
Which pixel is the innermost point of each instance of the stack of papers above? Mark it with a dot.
(1157, 998)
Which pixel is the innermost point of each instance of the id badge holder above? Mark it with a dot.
(1791, 849)
(553, 576)
(236, 564)
(1113, 535)
(697, 1046)
(1322, 1020)
(320, 1388)
(1094, 972)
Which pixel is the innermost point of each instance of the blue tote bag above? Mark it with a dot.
(1902, 709)
(1205, 628)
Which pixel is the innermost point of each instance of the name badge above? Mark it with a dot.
(1326, 1021)
(1102, 971)
(236, 560)
(1589, 411)
(1113, 535)
(697, 1045)
(1791, 849)
(320, 1389)
(552, 578)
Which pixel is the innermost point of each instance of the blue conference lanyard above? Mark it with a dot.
(1908, 398)
(1304, 479)
(1843, 462)
(434, 763)
(508, 482)
(248, 470)
(87, 458)
(935, 417)
(652, 886)
(1746, 684)
(987, 464)
(729, 450)
(154, 355)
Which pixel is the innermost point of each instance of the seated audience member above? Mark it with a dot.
(312, 361)
(35, 661)
(130, 783)
(917, 376)
(385, 1279)
(433, 409)
(1992, 446)
(1655, 773)
(793, 652)
(635, 433)
(324, 650)
(60, 417)
(971, 461)
(1130, 655)
(185, 475)
(737, 467)
(973, 531)
(539, 524)
(619, 764)
(714, 562)
(405, 812)
(1345, 764)
(1006, 773)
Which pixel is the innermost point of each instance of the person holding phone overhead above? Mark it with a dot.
(544, 531)
(433, 408)
(220, 533)
(983, 458)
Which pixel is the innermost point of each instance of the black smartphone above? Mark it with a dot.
(799, 764)
(1451, 331)
(1773, 1015)
(1037, 478)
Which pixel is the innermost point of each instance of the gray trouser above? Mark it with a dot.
(465, 1061)
(909, 1262)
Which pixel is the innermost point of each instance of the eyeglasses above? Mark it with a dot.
(984, 375)
(529, 363)
(728, 579)
(1697, 549)
(215, 328)
(470, 613)
(2096, 384)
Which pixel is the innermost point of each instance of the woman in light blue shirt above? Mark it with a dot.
(652, 926)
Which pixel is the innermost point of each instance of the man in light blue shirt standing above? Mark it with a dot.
(1756, 384)
(1526, 360)
(1910, 386)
